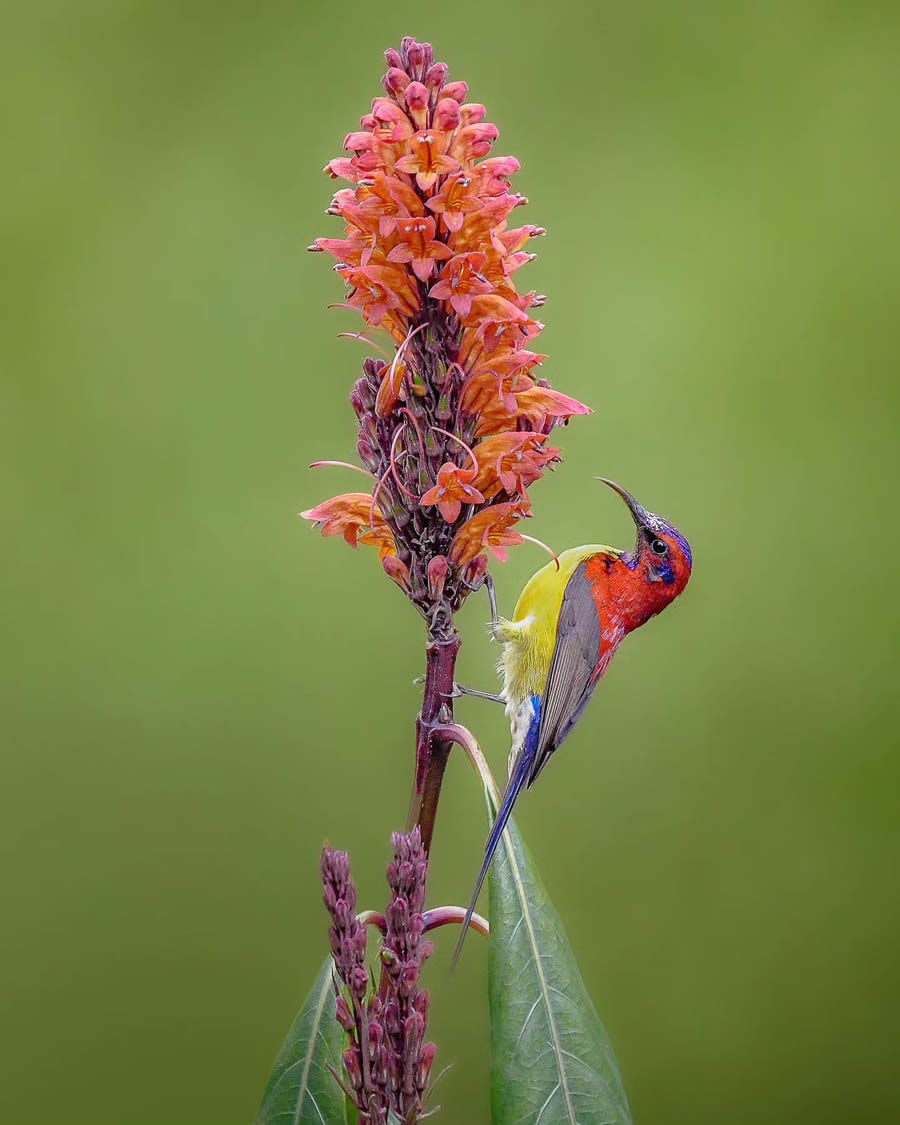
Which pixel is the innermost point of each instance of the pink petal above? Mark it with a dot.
(401, 253)
(422, 267)
(462, 304)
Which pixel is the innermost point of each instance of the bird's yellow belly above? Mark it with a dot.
(530, 637)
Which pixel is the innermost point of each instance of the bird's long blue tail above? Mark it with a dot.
(516, 784)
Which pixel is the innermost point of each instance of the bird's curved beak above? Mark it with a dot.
(639, 514)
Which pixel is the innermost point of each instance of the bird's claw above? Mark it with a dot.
(459, 690)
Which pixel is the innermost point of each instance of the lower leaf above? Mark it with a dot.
(551, 1059)
(301, 1089)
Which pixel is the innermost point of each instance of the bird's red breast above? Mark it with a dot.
(627, 594)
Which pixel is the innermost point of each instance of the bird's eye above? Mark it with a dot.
(658, 547)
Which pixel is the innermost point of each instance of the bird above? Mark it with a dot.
(570, 619)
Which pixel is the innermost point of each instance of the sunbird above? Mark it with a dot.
(568, 622)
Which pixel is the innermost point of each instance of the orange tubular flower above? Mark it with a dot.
(426, 160)
(418, 247)
(453, 427)
(510, 462)
(350, 515)
(453, 489)
(492, 528)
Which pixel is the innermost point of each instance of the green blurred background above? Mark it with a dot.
(197, 690)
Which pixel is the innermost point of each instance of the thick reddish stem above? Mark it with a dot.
(431, 752)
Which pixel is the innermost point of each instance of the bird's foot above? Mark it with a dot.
(459, 690)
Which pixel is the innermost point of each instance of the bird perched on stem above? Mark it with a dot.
(569, 620)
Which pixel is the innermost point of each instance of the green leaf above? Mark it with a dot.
(301, 1089)
(551, 1059)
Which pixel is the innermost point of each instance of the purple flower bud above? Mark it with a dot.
(354, 1067)
(359, 980)
(358, 402)
(392, 1018)
(344, 1016)
(370, 457)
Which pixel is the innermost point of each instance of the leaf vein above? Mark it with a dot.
(542, 983)
(310, 1050)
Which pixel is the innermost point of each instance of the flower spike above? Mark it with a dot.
(453, 426)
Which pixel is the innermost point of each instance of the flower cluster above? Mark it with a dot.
(388, 1062)
(453, 426)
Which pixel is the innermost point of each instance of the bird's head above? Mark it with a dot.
(661, 554)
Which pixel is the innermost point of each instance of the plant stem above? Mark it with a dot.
(437, 710)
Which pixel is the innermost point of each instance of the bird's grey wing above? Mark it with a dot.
(573, 671)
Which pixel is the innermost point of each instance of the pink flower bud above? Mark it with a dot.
(396, 570)
(395, 81)
(416, 58)
(438, 569)
(456, 90)
(426, 1060)
(476, 570)
(436, 76)
(417, 103)
(446, 115)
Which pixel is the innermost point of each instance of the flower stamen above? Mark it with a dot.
(459, 441)
(393, 467)
(342, 465)
(540, 543)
